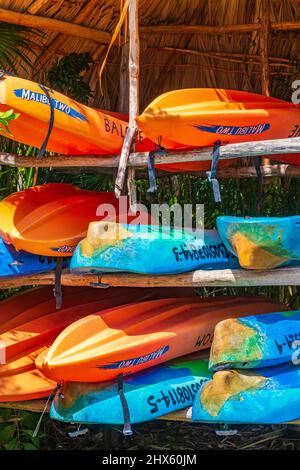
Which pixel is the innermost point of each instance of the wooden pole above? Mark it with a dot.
(134, 71)
(289, 276)
(140, 159)
(264, 46)
(179, 29)
(41, 22)
(123, 98)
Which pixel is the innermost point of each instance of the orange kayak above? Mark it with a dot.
(130, 338)
(34, 220)
(28, 385)
(34, 303)
(21, 365)
(198, 117)
(77, 129)
(38, 326)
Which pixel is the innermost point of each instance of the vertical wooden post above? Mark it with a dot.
(264, 37)
(123, 98)
(264, 45)
(134, 71)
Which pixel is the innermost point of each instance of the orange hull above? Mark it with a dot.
(38, 325)
(128, 339)
(34, 220)
(28, 385)
(193, 118)
(21, 365)
(77, 129)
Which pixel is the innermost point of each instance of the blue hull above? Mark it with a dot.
(261, 242)
(264, 396)
(256, 341)
(150, 394)
(14, 263)
(151, 253)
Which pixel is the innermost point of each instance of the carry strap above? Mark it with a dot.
(213, 171)
(127, 431)
(57, 287)
(256, 161)
(51, 123)
(4, 72)
(151, 173)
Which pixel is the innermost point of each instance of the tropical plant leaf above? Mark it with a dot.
(15, 43)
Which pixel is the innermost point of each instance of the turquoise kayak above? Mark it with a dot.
(256, 341)
(264, 396)
(19, 263)
(149, 249)
(149, 394)
(261, 242)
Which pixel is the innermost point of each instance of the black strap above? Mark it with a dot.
(127, 431)
(4, 72)
(256, 161)
(57, 288)
(213, 171)
(51, 123)
(151, 173)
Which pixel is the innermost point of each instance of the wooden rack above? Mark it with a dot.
(135, 161)
(289, 276)
(38, 406)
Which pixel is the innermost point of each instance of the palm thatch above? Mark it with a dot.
(191, 43)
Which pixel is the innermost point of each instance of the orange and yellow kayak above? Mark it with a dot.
(29, 385)
(25, 363)
(51, 219)
(77, 129)
(199, 117)
(134, 337)
(36, 325)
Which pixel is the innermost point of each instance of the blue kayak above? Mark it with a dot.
(256, 341)
(264, 396)
(19, 263)
(261, 242)
(149, 249)
(149, 394)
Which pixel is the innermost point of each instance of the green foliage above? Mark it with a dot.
(16, 430)
(15, 42)
(65, 76)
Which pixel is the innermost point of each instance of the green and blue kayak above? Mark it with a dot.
(261, 396)
(149, 394)
(261, 242)
(256, 341)
(149, 249)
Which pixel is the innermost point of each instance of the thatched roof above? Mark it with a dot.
(208, 57)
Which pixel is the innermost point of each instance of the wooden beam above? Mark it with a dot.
(41, 22)
(226, 29)
(199, 29)
(226, 56)
(134, 73)
(289, 276)
(140, 159)
(185, 415)
(264, 46)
